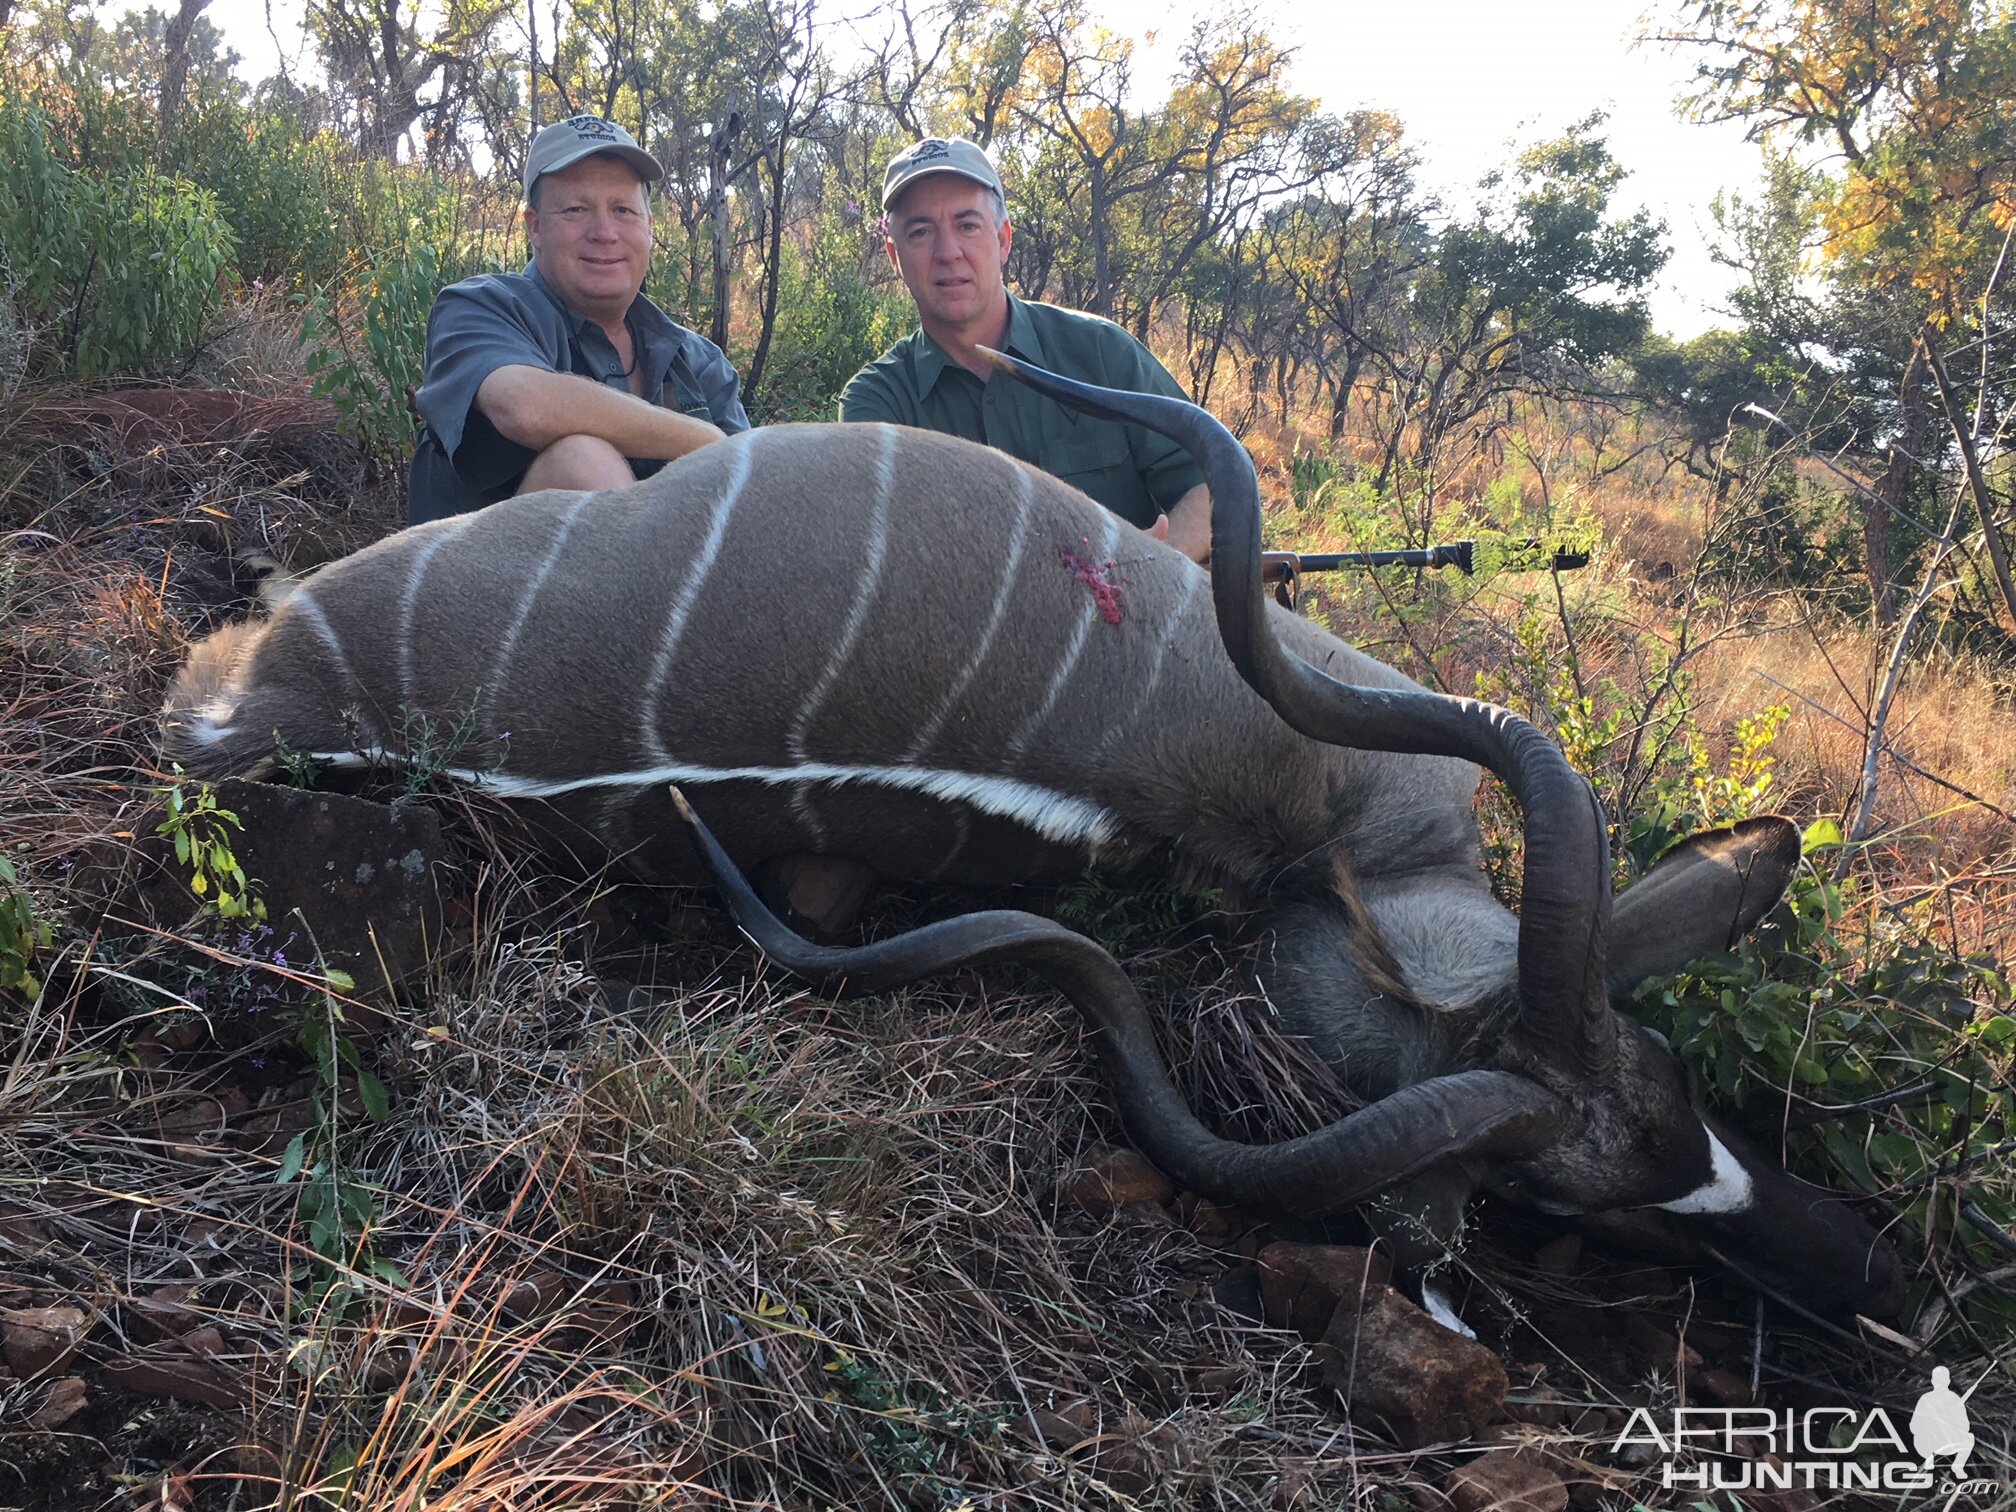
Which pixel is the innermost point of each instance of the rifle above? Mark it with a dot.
(1282, 570)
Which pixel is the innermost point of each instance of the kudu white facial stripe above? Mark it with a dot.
(1053, 815)
(1727, 1190)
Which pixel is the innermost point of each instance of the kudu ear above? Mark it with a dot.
(1699, 899)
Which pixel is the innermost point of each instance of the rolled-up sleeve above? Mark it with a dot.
(1167, 470)
(871, 395)
(476, 328)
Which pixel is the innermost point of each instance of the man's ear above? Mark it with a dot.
(889, 246)
(1007, 238)
(1702, 896)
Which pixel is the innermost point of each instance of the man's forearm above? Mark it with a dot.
(1190, 524)
(535, 408)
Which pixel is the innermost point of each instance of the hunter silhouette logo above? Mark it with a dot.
(1939, 1422)
(1818, 1449)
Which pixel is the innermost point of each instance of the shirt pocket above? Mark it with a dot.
(1094, 458)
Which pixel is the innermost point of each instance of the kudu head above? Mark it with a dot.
(1574, 1108)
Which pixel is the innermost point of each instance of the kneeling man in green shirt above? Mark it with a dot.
(948, 236)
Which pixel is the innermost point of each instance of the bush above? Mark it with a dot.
(118, 273)
(830, 321)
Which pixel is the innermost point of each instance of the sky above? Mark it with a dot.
(1469, 79)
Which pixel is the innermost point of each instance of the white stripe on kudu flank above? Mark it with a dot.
(501, 663)
(1011, 566)
(1727, 1190)
(302, 602)
(410, 595)
(1158, 659)
(740, 451)
(1053, 815)
(1109, 539)
(865, 590)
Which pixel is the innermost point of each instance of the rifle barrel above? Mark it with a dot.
(1461, 555)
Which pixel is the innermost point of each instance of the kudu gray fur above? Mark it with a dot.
(917, 652)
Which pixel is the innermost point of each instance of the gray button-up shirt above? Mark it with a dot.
(499, 320)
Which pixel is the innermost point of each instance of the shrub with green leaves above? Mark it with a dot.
(200, 831)
(367, 334)
(119, 272)
(23, 936)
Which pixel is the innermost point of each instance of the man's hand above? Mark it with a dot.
(536, 407)
(1187, 527)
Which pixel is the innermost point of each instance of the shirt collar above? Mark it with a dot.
(933, 360)
(645, 318)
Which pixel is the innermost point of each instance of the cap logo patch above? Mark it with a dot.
(927, 149)
(593, 126)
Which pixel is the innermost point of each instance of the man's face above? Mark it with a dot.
(946, 243)
(591, 235)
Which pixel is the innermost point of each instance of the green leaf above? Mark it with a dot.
(291, 1159)
(377, 1105)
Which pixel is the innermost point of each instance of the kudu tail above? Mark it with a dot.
(196, 718)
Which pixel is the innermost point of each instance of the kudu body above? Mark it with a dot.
(922, 654)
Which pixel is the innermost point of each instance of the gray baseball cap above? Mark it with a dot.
(567, 142)
(938, 155)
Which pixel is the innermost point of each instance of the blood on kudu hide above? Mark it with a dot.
(907, 649)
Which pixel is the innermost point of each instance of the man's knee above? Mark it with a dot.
(578, 462)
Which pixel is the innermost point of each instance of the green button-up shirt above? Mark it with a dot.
(1134, 472)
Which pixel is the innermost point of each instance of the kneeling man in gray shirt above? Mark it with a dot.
(565, 375)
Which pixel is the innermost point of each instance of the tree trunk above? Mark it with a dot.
(175, 62)
(718, 147)
(1914, 420)
(1977, 484)
(1101, 302)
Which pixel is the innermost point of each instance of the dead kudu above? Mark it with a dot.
(920, 653)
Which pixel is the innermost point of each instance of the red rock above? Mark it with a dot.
(36, 1340)
(203, 1341)
(1657, 1349)
(1120, 1179)
(1302, 1285)
(1505, 1481)
(535, 1294)
(67, 1397)
(1220, 1383)
(1723, 1388)
(165, 1312)
(1393, 1364)
(1542, 1406)
(168, 1371)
